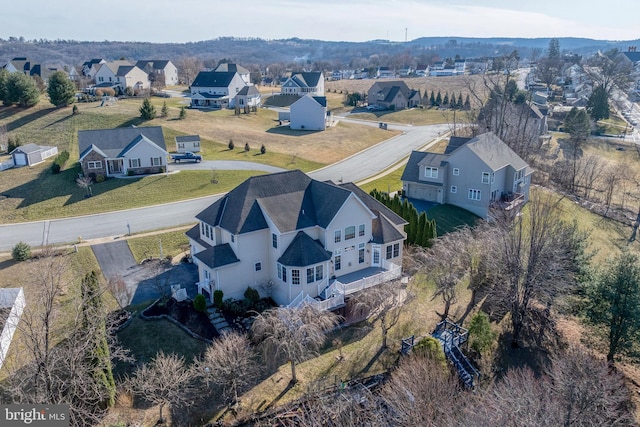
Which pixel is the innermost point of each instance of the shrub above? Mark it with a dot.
(430, 347)
(481, 335)
(131, 172)
(21, 252)
(129, 91)
(252, 295)
(217, 298)
(246, 147)
(231, 146)
(200, 303)
(263, 149)
(75, 110)
(183, 113)
(100, 177)
(60, 161)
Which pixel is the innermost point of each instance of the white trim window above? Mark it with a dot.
(156, 161)
(456, 171)
(310, 275)
(257, 266)
(350, 232)
(295, 276)
(474, 194)
(485, 177)
(94, 165)
(361, 230)
(337, 236)
(454, 189)
(319, 272)
(431, 172)
(134, 163)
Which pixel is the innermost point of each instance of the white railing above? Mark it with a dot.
(323, 285)
(6, 165)
(393, 272)
(297, 300)
(330, 303)
(14, 298)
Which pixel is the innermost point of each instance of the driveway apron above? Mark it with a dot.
(114, 258)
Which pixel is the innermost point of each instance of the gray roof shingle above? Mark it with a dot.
(112, 142)
(384, 232)
(304, 251)
(217, 256)
(213, 79)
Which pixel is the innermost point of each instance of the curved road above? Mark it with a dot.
(354, 168)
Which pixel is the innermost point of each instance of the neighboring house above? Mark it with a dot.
(422, 70)
(248, 96)
(294, 238)
(393, 95)
(161, 73)
(459, 65)
(32, 154)
(90, 68)
(188, 143)
(406, 71)
(360, 74)
(309, 113)
(23, 65)
(107, 71)
(244, 74)
(301, 84)
(122, 151)
(384, 73)
(216, 89)
(122, 74)
(473, 173)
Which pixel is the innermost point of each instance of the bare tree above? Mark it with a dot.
(4, 139)
(422, 392)
(537, 259)
(292, 334)
(85, 182)
(56, 363)
(165, 381)
(229, 363)
(609, 69)
(382, 304)
(188, 68)
(118, 288)
(589, 170)
(611, 180)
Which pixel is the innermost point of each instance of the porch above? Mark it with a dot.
(333, 296)
(509, 201)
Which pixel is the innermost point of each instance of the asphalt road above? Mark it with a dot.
(354, 169)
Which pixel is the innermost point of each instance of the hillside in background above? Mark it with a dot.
(295, 50)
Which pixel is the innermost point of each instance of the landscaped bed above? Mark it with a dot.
(183, 312)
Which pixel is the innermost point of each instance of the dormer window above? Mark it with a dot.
(431, 172)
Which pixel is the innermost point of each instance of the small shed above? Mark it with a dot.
(188, 143)
(32, 154)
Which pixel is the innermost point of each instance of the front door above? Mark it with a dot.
(115, 166)
(375, 255)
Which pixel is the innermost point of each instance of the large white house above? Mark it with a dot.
(309, 113)
(216, 89)
(473, 173)
(294, 238)
(122, 74)
(161, 72)
(308, 83)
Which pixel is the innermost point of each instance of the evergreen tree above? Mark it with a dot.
(147, 110)
(183, 113)
(445, 100)
(61, 90)
(93, 320)
(22, 90)
(577, 124)
(598, 104)
(4, 79)
(165, 110)
(467, 103)
(460, 104)
(438, 99)
(422, 225)
(432, 99)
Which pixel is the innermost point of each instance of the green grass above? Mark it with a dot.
(389, 182)
(56, 196)
(146, 246)
(145, 338)
(414, 116)
(449, 218)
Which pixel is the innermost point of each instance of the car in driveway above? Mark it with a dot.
(187, 156)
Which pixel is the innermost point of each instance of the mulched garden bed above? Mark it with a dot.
(197, 322)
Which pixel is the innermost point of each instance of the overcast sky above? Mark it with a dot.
(349, 20)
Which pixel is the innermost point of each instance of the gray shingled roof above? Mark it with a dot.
(187, 138)
(217, 256)
(28, 148)
(455, 142)
(304, 251)
(213, 79)
(384, 232)
(114, 141)
(154, 64)
(291, 199)
(308, 79)
(225, 67)
(494, 152)
(249, 90)
(375, 206)
(194, 234)
(411, 171)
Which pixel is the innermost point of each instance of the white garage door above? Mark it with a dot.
(20, 159)
(423, 193)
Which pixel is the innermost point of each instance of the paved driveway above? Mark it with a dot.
(115, 258)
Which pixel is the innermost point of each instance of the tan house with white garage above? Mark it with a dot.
(473, 173)
(296, 239)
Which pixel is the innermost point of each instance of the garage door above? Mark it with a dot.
(423, 193)
(20, 159)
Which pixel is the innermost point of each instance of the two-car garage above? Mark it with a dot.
(429, 193)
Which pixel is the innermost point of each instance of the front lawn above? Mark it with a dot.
(35, 193)
(172, 243)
